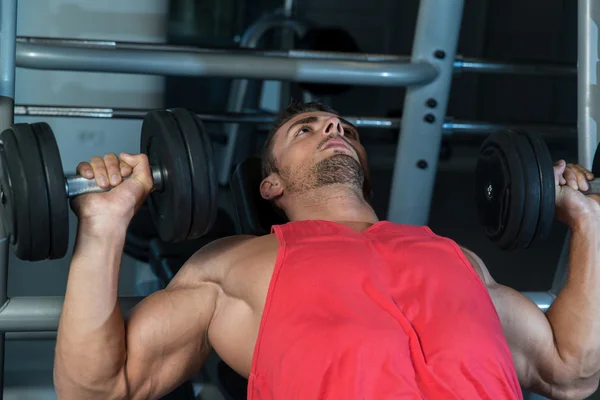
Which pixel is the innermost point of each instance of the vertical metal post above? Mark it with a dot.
(435, 41)
(8, 42)
(587, 85)
(287, 42)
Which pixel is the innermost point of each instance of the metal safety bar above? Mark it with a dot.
(506, 68)
(461, 64)
(39, 316)
(542, 299)
(450, 126)
(23, 336)
(222, 64)
(456, 126)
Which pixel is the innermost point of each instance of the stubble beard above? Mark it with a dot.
(340, 169)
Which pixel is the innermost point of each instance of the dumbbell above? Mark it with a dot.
(34, 190)
(514, 188)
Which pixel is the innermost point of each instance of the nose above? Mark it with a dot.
(333, 126)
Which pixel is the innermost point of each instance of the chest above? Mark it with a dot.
(429, 284)
(419, 298)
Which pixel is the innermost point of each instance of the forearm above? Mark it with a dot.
(91, 349)
(575, 314)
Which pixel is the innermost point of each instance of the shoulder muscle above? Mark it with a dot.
(205, 264)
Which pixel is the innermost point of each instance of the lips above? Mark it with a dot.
(336, 143)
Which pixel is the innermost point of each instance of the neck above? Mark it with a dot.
(335, 203)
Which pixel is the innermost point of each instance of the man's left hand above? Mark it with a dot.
(572, 206)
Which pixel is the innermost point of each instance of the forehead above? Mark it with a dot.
(298, 117)
(284, 128)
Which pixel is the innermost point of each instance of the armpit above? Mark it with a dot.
(479, 266)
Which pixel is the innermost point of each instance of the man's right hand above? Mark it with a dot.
(126, 196)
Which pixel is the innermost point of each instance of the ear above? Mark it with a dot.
(271, 187)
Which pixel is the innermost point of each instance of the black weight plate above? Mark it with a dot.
(55, 184)
(170, 207)
(8, 211)
(39, 212)
(499, 190)
(492, 183)
(548, 190)
(533, 190)
(204, 181)
(596, 163)
(20, 240)
(32, 234)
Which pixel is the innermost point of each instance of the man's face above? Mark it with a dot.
(317, 149)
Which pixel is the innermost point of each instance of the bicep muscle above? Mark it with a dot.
(528, 333)
(167, 334)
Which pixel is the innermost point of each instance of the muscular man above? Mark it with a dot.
(332, 305)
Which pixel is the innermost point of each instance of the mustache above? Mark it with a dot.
(329, 138)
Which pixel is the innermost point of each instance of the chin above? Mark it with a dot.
(339, 168)
(340, 153)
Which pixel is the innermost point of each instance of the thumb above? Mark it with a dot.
(559, 170)
(141, 168)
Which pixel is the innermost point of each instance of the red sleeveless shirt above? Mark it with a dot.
(394, 312)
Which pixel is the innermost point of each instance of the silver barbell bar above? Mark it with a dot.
(451, 126)
(238, 64)
(461, 64)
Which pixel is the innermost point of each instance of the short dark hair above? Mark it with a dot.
(269, 163)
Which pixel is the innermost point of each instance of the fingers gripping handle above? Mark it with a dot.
(594, 187)
(77, 185)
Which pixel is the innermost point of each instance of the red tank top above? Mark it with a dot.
(394, 312)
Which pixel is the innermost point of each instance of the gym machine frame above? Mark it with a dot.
(428, 74)
(450, 126)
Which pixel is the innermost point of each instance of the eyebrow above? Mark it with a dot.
(313, 119)
(303, 121)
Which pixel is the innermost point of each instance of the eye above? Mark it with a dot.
(302, 130)
(351, 133)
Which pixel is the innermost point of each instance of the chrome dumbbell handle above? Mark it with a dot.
(77, 185)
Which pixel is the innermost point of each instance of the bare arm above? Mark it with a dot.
(556, 354)
(98, 355)
(166, 336)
